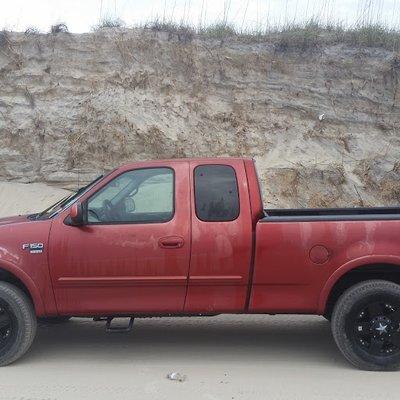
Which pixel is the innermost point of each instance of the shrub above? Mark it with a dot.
(59, 28)
(4, 39)
(31, 30)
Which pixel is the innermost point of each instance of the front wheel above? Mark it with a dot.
(366, 325)
(17, 323)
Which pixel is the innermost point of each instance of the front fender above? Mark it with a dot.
(29, 284)
(356, 263)
(30, 267)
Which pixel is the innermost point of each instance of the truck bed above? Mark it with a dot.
(331, 214)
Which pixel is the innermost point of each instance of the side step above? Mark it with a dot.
(115, 329)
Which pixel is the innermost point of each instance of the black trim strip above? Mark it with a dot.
(314, 218)
(292, 212)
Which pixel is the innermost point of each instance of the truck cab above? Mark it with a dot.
(160, 237)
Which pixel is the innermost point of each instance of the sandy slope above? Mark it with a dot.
(19, 198)
(323, 125)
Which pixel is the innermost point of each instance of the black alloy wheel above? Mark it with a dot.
(17, 323)
(7, 326)
(366, 325)
(376, 327)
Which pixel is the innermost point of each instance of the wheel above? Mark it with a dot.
(17, 323)
(366, 325)
(53, 320)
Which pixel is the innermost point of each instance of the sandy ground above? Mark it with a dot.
(20, 198)
(223, 357)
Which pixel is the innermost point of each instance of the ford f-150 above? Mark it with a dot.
(191, 237)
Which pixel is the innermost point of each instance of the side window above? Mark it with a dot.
(142, 195)
(216, 193)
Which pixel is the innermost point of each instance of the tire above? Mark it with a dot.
(53, 320)
(17, 323)
(366, 325)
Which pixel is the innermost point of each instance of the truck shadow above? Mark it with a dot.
(290, 340)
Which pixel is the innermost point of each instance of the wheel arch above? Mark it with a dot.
(354, 271)
(14, 275)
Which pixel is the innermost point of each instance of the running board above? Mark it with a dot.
(115, 329)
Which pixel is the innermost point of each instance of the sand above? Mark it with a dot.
(224, 357)
(20, 198)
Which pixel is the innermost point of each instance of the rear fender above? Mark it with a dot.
(358, 262)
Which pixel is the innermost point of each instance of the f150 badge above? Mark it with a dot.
(34, 248)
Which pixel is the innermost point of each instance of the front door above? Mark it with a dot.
(132, 255)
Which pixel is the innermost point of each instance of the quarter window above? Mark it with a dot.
(142, 195)
(216, 193)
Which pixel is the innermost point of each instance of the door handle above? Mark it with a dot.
(171, 242)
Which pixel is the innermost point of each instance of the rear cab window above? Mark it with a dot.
(216, 193)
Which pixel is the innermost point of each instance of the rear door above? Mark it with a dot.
(221, 237)
(133, 253)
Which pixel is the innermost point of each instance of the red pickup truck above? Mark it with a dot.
(191, 237)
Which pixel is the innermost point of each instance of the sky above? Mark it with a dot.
(82, 15)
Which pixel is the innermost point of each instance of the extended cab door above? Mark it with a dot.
(132, 255)
(221, 237)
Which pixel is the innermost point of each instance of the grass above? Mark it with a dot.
(218, 31)
(183, 32)
(306, 36)
(301, 37)
(109, 22)
(313, 34)
(373, 35)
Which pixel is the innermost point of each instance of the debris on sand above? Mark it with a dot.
(176, 376)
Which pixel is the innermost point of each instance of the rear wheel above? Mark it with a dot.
(17, 323)
(366, 325)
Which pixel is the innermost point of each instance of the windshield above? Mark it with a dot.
(65, 201)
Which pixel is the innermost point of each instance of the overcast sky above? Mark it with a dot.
(81, 15)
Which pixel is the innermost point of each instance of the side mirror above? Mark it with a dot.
(76, 215)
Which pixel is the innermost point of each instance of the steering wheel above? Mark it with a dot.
(108, 209)
(94, 214)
